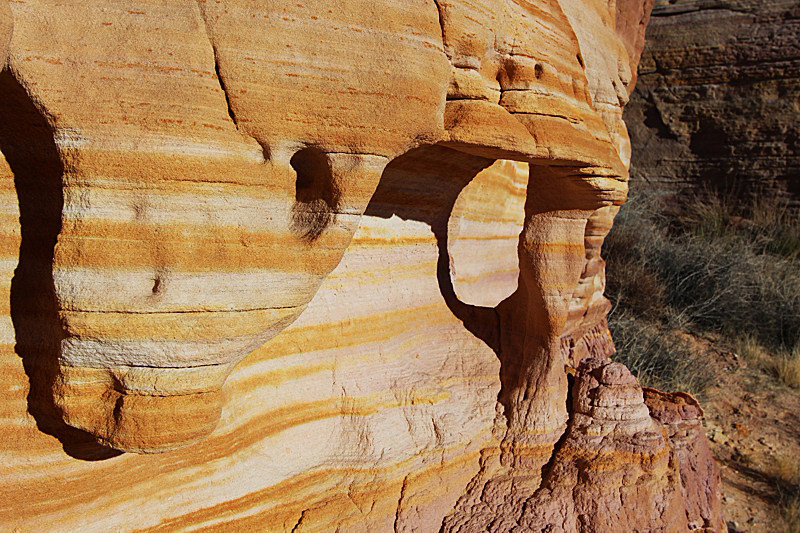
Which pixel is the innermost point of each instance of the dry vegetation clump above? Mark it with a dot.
(700, 263)
(683, 268)
(660, 359)
(783, 366)
(787, 477)
(787, 368)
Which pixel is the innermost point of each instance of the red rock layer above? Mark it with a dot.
(628, 462)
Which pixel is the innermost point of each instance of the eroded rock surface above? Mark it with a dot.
(333, 260)
(201, 192)
(717, 100)
(630, 461)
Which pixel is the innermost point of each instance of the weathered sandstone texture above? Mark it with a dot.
(336, 261)
(628, 462)
(5, 31)
(717, 101)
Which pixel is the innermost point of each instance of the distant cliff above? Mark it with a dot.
(718, 95)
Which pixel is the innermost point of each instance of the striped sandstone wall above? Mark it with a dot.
(294, 267)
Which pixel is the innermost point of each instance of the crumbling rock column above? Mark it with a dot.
(620, 467)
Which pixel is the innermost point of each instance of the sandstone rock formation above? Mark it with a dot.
(5, 31)
(629, 462)
(406, 199)
(718, 99)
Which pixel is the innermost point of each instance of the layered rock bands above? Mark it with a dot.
(717, 103)
(326, 266)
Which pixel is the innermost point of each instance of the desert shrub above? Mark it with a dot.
(786, 473)
(790, 511)
(632, 281)
(739, 269)
(765, 224)
(702, 263)
(659, 359)
(783, 366)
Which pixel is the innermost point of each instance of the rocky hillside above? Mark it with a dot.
(718, 96)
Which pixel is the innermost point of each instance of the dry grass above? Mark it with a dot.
(786, 473)
(702, 263)
(786, 368)
(783, 366)
(750, 350)
(790, 510)
(787, 470)
(660, 359)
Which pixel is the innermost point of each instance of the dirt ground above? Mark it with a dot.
(753, 424)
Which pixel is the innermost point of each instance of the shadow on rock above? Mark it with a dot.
(28, 144)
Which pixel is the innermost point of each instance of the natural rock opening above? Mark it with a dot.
(279, 291)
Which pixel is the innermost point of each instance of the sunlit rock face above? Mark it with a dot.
(335, 261)
(5, 31)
